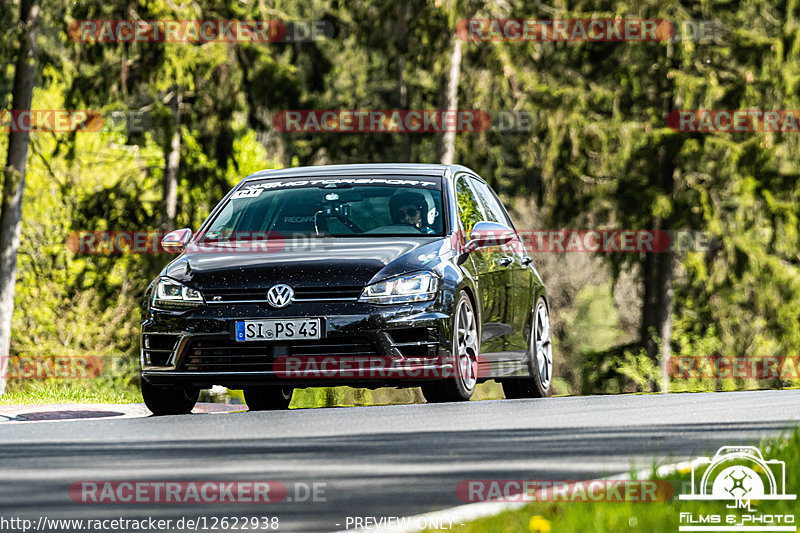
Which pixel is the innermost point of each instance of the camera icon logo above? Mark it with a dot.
(738, 473)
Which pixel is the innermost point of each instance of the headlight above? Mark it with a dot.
(170, 294)
(413, 288)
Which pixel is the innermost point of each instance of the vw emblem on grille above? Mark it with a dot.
(280, 295)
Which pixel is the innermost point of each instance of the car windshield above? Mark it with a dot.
(335, 207)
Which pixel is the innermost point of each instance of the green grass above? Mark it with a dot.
(55, 392)
(642, 517)
(314, 397)
(121, 391)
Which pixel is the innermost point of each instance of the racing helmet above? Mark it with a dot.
(415, 199)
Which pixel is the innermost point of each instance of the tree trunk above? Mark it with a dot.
(447, 148)
(658, 268)
(657, 273)
(14, 178)
(170, 189)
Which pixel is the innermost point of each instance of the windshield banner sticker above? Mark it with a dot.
(254, 190)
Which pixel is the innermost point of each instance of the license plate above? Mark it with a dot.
(278, 330)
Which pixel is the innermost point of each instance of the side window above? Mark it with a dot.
(490, 203)
(470, 210)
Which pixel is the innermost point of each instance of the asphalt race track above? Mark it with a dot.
(374, 461)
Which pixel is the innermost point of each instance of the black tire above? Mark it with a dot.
(433, 393)
(534, 386)
(519, 388)
(268, 398)
(168, 401)
(461, 386)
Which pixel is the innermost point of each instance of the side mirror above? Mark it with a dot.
(486, 234)
(175, 241)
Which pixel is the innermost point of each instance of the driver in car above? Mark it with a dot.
(408, 208)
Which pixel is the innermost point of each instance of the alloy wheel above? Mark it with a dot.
(466, 340)
(544, 345)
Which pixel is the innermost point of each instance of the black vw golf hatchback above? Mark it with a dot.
(394, 275)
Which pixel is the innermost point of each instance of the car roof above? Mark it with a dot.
(394, 169)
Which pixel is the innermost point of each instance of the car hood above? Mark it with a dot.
(329, 262)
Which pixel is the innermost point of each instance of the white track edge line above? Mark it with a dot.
(469, 512)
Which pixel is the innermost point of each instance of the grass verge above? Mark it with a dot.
(122, 391)
(665, 516)
(60, 392)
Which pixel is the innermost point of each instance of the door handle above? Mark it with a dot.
(526, 261)
(505, 261)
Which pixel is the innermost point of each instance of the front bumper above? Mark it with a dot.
(363, 345)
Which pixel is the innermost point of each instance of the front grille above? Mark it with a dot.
(157, 348)
(234, 296)
(226, 355)
(301, 294)
(415, 342)
(326, 293)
